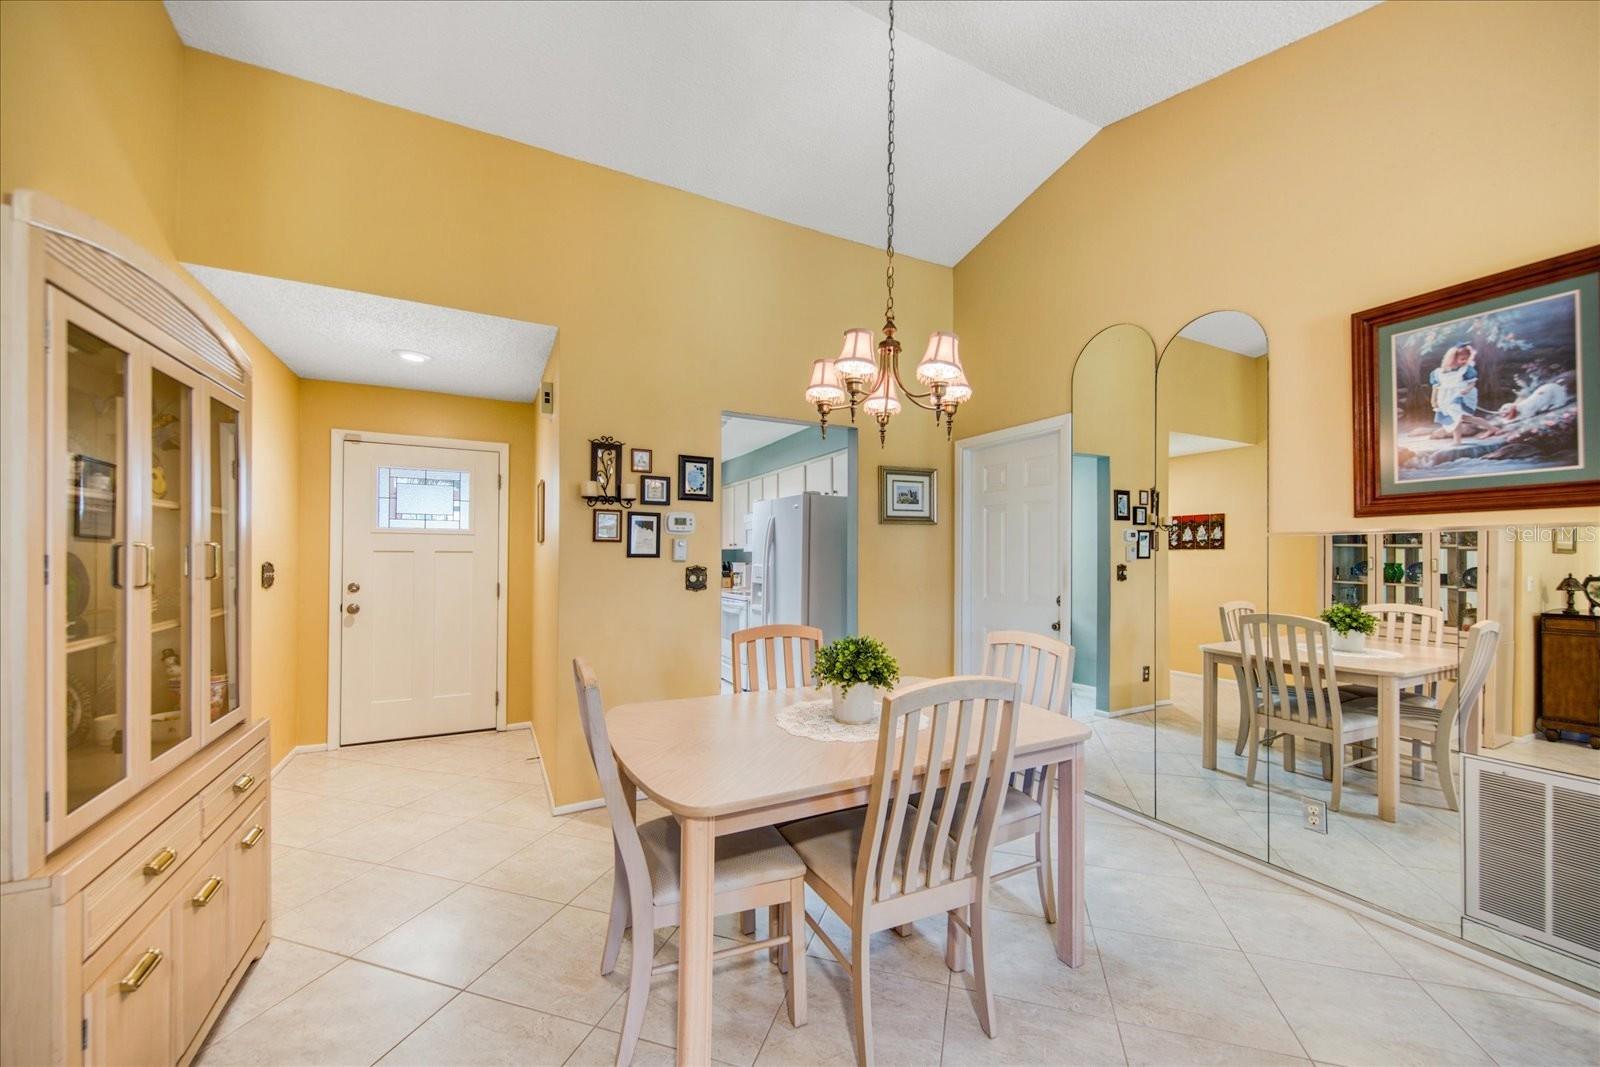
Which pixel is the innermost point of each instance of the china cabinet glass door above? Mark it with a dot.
(93, 564)
(221, 556)
(1350, 568)
(1404, 559)
(174, 523)
(1458, 577)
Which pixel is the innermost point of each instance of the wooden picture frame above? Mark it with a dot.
(655, 489)
(908, 495)
(644, 535)
(697, 478)
(1121, 505)
(607, 524)
(1500, 360)
(641, 460)
(1141, 514)
(1145, 544)
(538, 512)
(605, 465)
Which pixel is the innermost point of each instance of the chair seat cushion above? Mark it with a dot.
(751, 858)
(1367, 692)
(1017, 807)
(829, 845)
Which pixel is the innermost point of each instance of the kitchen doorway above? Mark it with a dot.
(790, 528)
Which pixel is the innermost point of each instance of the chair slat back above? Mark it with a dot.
(1408, 624)
(1230, 611)
(974, 720)
(624, 831)
(1041, 666)
(1288, 661)
(774, 657)
(1483, 641)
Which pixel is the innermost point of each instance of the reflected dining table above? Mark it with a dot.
(1387, 667)
(722, 764)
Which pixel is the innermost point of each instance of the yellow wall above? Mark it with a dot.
(89, 113)
(1410, 147)
(325, 406)
(1541, 566)
(671, 309)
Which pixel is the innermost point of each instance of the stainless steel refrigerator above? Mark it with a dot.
(797, 562)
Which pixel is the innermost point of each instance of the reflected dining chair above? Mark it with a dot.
(1434, 725)
(753, 868)
(899, 861)
(1042, 668)
(778, 656)
(1405, 624)
(1288, 665)
(1229, 612)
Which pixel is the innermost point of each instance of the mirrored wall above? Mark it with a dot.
(1439, 767)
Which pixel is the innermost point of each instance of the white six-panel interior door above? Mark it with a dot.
(1013, 509)
(417, 590)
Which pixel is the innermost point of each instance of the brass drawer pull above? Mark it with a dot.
(141, 970)
(249, 840)
(160, 861)
(243, 783)
(207, 891)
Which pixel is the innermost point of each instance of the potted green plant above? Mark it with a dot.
(1350, 626)
(859, 672)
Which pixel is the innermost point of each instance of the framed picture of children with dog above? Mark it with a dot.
(1482, 396)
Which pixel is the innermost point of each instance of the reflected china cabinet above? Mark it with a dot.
(1444, 569)
(133, 811)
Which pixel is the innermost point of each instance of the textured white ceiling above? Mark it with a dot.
(1232, 331)
(341, 336)
(741, 436)
(1106, 59)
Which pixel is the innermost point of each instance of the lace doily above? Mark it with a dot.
(814, 719)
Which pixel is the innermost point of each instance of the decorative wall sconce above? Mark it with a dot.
(605, 485)
(594, 494)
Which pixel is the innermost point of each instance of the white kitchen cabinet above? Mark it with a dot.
(769, 486)
(735, 506)
(819, 475)
(791, 481)
(841, 473)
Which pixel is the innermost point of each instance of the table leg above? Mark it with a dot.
(1208, 719)
(1071, 914)
(694, 940)
(1388, 748)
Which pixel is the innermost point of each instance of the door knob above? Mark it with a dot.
(353, 587)
(352, 609)
(1056, 626)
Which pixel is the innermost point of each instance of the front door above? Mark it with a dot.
(418, 584)
(1013, 549)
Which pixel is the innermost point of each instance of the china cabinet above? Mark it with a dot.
(132, 772)
(1436, 569)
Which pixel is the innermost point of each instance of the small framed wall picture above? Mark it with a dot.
(694, 478)
(640, 460)
(644, 535)
(607, 525)
(538, 512)
(1141, 514)
(655, 489)
(1144, 544)
(1564, 540)
(1121, 507)
(1144, 497)
(94, 484)
(908, 494)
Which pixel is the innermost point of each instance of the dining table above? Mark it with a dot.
(722, 764)
(1389, 667)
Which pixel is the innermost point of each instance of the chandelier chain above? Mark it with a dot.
(888, 311)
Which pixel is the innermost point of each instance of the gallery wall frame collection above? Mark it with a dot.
(640, 532)
(1483, 395)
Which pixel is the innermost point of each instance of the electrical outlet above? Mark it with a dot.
(1146, 677)
(1317, 816)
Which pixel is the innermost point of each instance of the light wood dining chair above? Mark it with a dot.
(1289, 669)
(753, 868)
(1229, 612)
(1405, 624)
(774, 657)
(1433, 726)
(1042, 668)
(899, 861)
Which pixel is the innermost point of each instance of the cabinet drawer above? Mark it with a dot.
(249, 851)
(128, 883)
(235, 787)
(201, 962)
(129, 1004)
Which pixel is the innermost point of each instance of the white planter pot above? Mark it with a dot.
(862, 704)
(1354, 641)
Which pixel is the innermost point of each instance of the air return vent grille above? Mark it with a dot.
(1533, 854)
(146, 297)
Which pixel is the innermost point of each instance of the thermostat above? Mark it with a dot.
(680, 522)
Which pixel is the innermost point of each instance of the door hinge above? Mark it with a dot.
(47, 568)
(497, 698)
(47, 805)
(499, 481)
(497, 590)
(83, 1034)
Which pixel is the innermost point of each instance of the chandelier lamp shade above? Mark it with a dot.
(866, 372)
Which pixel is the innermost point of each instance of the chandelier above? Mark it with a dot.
(865, 374)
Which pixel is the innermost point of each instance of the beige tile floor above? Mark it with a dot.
(428, 909)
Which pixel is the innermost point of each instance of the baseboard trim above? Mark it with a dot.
(582, 805)
(295, 751)
(1137, 709)
(1476, 953)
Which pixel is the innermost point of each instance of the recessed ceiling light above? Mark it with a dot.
(410, 356)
